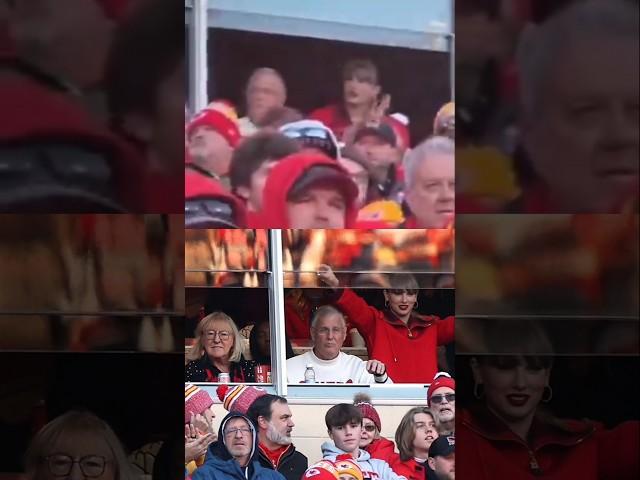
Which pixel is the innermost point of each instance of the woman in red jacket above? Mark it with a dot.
(370, 439)
(414, 435)
(509, 435)
(406, 342)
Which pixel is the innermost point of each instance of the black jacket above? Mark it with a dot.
(292, 464)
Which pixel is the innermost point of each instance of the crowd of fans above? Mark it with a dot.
(254, 441)
(346, 165)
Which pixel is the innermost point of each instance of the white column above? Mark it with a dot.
(198, 73)
(276, 313)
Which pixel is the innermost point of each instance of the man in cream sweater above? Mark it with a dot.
(328, 333)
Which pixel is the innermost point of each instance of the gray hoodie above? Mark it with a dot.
(372, 468)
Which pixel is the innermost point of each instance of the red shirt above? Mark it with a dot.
(408, 351)
(274, 455)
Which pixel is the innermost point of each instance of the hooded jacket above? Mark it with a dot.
(291, 464)
(220, 465)
(38, 118)
(281, 180)
(382, 449)
(408, 351)
(577, 449)
(372, 468)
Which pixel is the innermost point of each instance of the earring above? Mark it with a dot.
(415, 305)
(549, 397)
(477, 392)
(386, 304)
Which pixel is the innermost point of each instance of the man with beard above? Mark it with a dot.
(272, 417)
(441, 399)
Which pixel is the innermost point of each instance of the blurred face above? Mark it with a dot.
(253, 194)
(218, 340)
(318, 207)
(72, 42)
(210, 150)
(401, 302)
(281, 424)
(445, 467)
(369, 432)
(264, 92)
(328, 336)
(263, 339)
(347, 437)
(443, 409)
(431, 194)
(379, 154)
(425, 432)
(358, 173)
(358, 91)
(238, 438)
(513, 389)
(583, 142)
(91, 450)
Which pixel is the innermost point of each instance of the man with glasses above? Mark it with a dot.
(234, 455)
(441, 399)
(328, 333)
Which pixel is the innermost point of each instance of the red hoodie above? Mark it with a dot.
(581, 450)
(408, 351)
(279, 183)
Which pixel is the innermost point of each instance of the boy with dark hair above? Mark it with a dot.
(251, 163)
(344, 425)
(272, 417)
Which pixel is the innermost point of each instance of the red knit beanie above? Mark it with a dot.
(196, 401)
(222, 118)
(363, 402)
(441, 379)
(239, 398)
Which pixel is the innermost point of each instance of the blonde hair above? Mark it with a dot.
(75, 421)
(198, 349)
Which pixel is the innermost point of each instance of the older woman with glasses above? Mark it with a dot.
(405, 341)
(218, 350)
(77, 445)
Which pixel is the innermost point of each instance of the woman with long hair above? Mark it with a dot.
(414, 435)
(404, 340)
(509, 433)
(218, 349)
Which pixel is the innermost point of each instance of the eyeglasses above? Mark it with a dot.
(233, 431)
(326, 331)
(224, 336)
(451, 397)
(310, 132)
(91, 465)
(369, 428)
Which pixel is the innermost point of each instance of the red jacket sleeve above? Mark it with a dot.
(618, 452)
(446, 330)
(361, 315)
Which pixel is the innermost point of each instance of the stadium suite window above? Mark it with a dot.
(224, 255)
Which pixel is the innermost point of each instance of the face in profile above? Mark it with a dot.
(210, 150)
